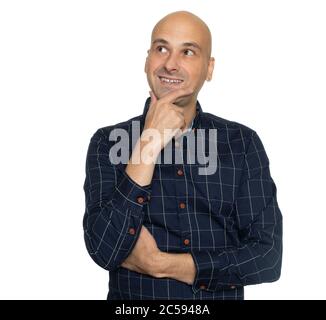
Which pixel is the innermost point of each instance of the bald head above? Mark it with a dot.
(182, 21)
(179, 56)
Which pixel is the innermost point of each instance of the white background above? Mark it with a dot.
(68, 68)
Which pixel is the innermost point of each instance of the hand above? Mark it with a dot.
(148, 259)
(164, 114)
(144, 255)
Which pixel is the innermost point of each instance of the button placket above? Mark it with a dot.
(180, 172)
(132, 231)
(186, 242)
(182, 205)
(181, 190)
(140, 200)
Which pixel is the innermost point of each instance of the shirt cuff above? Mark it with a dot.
(128, 199)
(208, 274)
(130, 196)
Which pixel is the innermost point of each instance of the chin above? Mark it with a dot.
(164, 91)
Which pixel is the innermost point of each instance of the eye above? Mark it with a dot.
(189, 52)
(161, 49)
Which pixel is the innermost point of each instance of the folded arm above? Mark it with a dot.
(259, 220)
(114, 206)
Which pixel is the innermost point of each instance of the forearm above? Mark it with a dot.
(141, 165)
(178, 266)
(114, 211)
(257, 259)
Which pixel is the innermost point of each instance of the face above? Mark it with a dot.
(179, 57)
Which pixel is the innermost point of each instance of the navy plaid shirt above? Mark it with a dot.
(229, 221)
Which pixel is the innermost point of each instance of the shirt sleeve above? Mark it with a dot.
(114, 206)
(258, 258)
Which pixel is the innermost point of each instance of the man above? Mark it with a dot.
(166, 230)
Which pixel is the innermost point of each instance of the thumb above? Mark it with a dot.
(153, 97)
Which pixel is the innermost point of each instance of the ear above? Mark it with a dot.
(145, 69)
(210, 69)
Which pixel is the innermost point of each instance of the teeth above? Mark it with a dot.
(170, 80)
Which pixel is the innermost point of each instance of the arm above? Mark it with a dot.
(259, 220)
(258, 258)
(178, 266)
(114, 203)
(115, 198)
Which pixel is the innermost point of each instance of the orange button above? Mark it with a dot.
(182, 205)
(202, 286)
(140, 200)
(186, 241)
(132, 231)
(180, 172)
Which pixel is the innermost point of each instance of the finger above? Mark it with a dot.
(174, 95)
(180, 115)
(144, 228)
(181, 130)
(177, 134)
(178, 109)
(184, 126)
(182, 118)
(153, 97)
(145, 231)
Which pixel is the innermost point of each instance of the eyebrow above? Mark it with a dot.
(185, 44)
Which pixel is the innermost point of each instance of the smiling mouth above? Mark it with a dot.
(170, 81)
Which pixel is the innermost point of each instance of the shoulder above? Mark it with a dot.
(237, 137)
(105, 132)
(227, 128)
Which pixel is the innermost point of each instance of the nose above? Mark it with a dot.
(171, 63)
